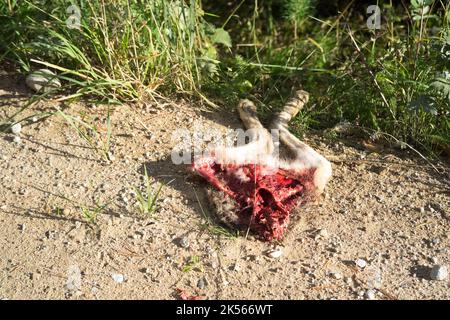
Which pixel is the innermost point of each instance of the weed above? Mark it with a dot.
(147, 201)
(90, 133)
(90, 214)
(59, 211)
(394, 80)
(123, 50)
(194, 263)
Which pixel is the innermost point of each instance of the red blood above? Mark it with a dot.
(186, 296)
(264, 196)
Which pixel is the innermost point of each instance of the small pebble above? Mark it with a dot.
(111, 156)
(146, 270)
(201, 284)
(439, 272)
(16, 128)
(117, 277)
(349, 281)
(17, 140)
(322, 234)
(50, 234)
(336, 275)
(361, 263)
(184, 242)
(42, 80)
(370, 295)
(435, 241)
(275, 253)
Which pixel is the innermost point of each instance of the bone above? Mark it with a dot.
(262, 189)
(247, 112)
(260, 147)
(305, 156)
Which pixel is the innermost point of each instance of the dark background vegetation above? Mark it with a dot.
(392, 83)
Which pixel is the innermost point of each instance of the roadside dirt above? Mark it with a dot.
(390, 209)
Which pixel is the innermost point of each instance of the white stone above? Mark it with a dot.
(184, 242)
(117, 277)
(361, 263)
(370, 294)
(16, 128)
(336, 275)
(323, 233)
(275, 253)
(42, 80)
(439, 272)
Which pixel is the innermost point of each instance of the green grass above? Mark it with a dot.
(147, 202)
(194, 263)
(90, 214)
(123, 51)
(88, 130)
(394, 80)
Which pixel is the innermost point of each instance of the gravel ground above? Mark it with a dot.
(381, 230)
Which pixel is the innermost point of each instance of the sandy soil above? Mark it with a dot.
(390, 209)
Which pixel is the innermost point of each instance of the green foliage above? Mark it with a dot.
(147, 201)
(442, 84)
(221, 36)
(90, 214)
(194, 263)
(393, 80)
(124, 50)
(421, 9)
(298, 10)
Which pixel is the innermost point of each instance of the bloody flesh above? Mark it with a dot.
(264, 196)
